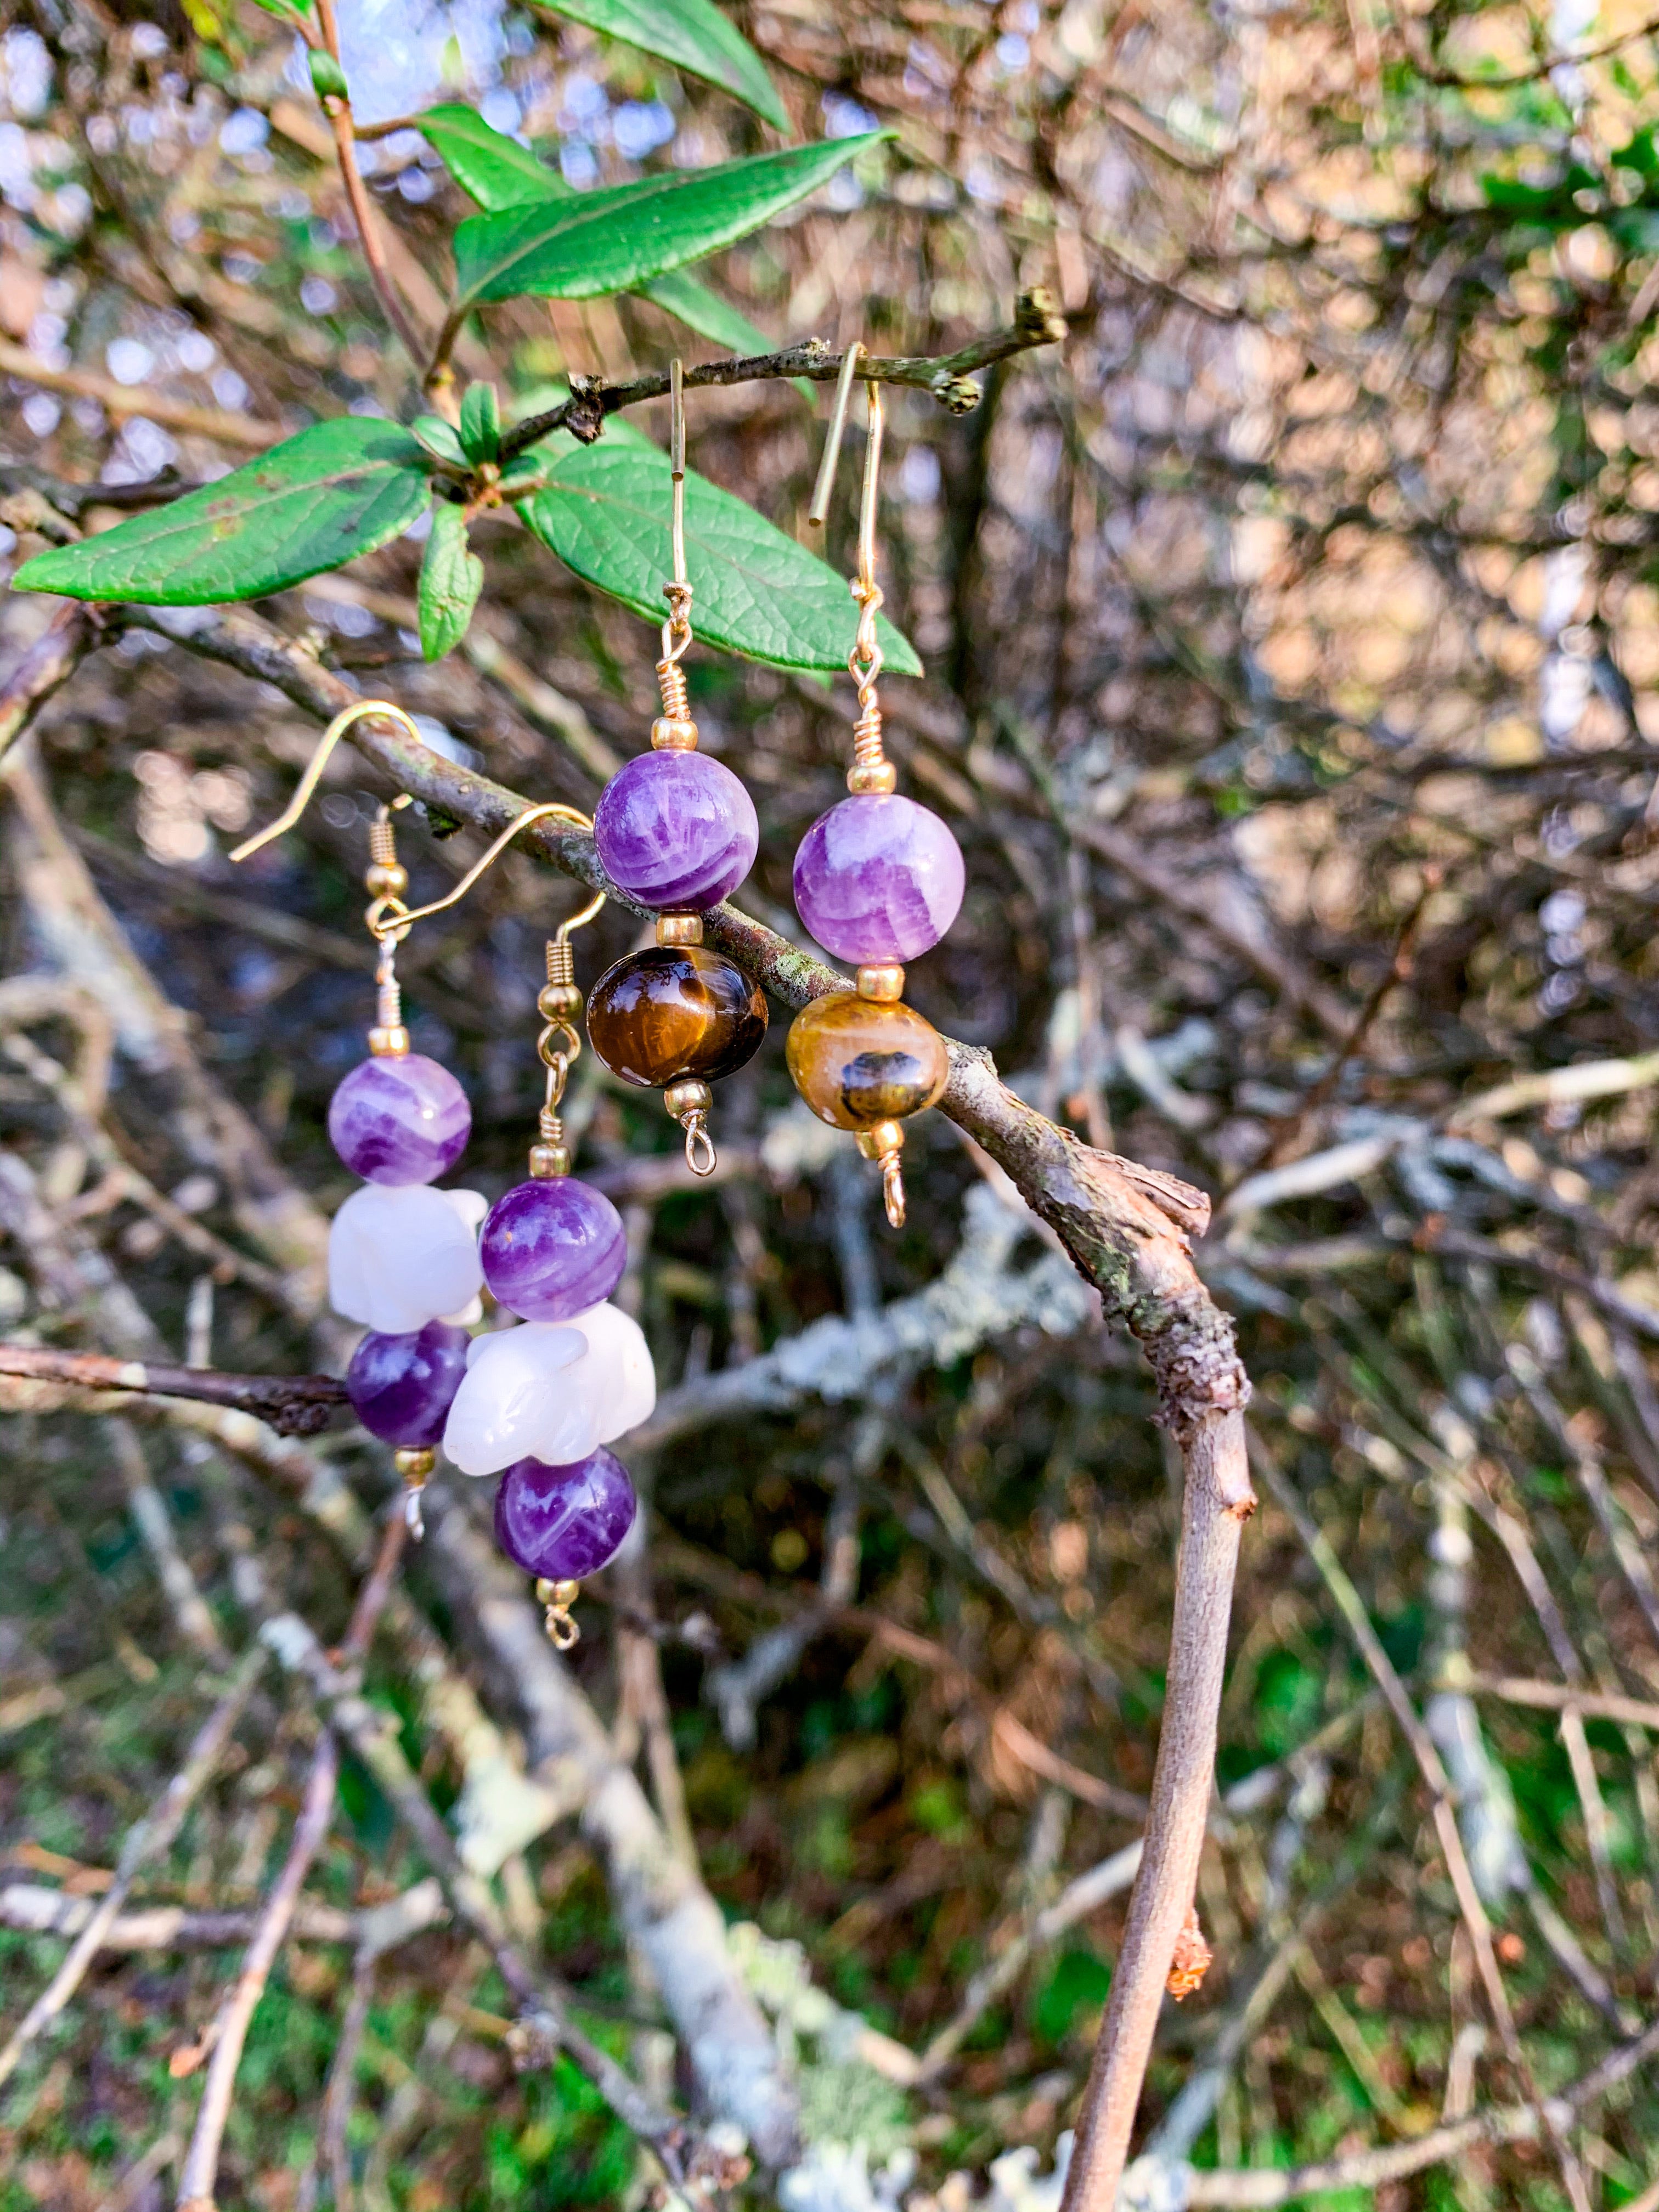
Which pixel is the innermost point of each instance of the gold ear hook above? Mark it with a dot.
(825, 484)
(549, 810)
(308, 782)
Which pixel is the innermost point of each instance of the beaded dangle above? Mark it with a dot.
(677, 832)
(878, 880)
(402, 1257)
(540, 1400)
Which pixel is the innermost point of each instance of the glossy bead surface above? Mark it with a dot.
(401, 1387)
(397, 1259)
(673, 1012)
(675, 830)
(399, 1121)
(563, 1523)
(878, 879)
(552, 1249)
(856, 1062)
(551, 1390)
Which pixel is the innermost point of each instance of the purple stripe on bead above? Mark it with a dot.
(399, 1121)
(551, 1249)
(878, 879)
(563, 1523)
(676, 830)
(401, 1386)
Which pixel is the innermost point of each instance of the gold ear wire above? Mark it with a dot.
(826, 482)
(318, 761)
(548, 809)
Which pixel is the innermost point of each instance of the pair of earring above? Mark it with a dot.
(537, 1403)
(879, 879)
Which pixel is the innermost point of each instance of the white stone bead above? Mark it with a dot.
(401, 1257)
(549, 1390)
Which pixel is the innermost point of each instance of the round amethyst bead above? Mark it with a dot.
(400, 1386)
(563, 1523)
(676, 830)
(551, 1249)
(878, 878)
(399, 1121)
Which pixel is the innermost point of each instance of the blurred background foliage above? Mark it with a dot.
(1292, 634)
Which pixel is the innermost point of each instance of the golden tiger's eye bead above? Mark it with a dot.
(860, 1061)
(675, 1012)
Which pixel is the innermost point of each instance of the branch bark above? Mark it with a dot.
(293, 1405)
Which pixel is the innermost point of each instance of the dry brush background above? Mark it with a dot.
(1293, 688)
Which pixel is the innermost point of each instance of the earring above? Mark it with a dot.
(877, 880)
(540, 1400)
(403, 1258)
(677, 831)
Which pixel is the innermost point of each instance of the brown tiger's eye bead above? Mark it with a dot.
(858, 1062)
(673, 1012)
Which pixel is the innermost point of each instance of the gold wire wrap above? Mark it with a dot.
(670, 676)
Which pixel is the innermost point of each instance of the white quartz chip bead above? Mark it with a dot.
(400, 1256)
(551, 1390)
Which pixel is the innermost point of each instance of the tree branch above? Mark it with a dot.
(293, 1405)
(1037, 321)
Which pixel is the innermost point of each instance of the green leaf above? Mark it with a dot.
(694, 35)
(452, 578)
(480, 423)
(605, 511)
(315, 501)
(326, 75)
(589, 243)
(495, 169)
(500, 174)
(438, 438)
(705, 312)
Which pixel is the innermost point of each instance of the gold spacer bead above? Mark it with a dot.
(548, 1162)
(415, 1462)
(688, 1096)
(388, 1043)
(878, 776)
(556, 1002)
(876, 1143)
(884, 982)
(386, 879)
(679, 929)
(674, 734)
(566, 1593)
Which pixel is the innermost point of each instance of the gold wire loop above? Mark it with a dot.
(384, 932)
(318, 761)
(548, 809)
(700, 1154)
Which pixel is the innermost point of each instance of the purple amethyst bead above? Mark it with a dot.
(564, 1523)
(551, 1249)
(400, 1386)
(676, 830)
(399, 1121)
(878, 878)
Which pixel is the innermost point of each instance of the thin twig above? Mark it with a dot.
(146, 1840)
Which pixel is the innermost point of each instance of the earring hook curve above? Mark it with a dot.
(308, 784)
(549, 810)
